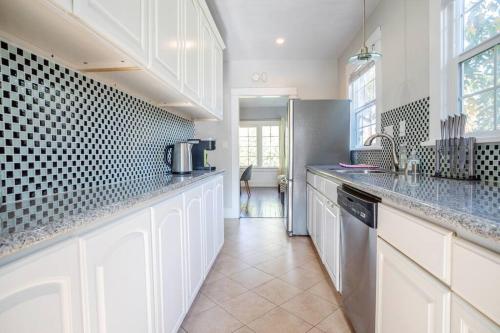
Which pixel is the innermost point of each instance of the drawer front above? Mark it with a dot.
(331, 190)
(311, 178)
(427, 244)
(475, 277)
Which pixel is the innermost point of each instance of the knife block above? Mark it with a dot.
(448, 158)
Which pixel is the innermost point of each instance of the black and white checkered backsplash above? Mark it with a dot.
(416, 117)
(61, 131)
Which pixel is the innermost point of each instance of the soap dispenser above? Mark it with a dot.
(413, 166)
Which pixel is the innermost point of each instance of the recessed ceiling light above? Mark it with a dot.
(280, 41)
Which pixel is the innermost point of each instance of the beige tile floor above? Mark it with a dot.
(265, 282)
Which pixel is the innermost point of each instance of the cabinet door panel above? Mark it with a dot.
(169, 252)
(219, 198)
(42, 293)
(195, 239)
(219, 80)
(319, 207)
(166, 42)
(331, 241)
(208, 68)
(466, 319)
(409, 299)
(191, 49)
(119, 278)
(125, 23)
(210, 220)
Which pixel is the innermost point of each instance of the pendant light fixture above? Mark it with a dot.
(364, 54)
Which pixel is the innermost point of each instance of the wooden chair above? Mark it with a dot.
(245, 177)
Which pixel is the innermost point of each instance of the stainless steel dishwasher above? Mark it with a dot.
(358, 256)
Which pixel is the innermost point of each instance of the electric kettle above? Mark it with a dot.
(179, 157)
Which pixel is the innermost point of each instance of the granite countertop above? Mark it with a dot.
(471, 209)
(34, 224)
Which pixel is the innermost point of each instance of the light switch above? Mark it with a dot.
(402, 128)
(389, 130)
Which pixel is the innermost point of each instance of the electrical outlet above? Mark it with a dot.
(402, 128)
(389, 130)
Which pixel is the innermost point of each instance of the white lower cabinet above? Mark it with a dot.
(318, 220)
(195, 239)
(323, 225)
(331, 242)
(41, 293)
(169, 230)
(139, 273)
(219, 209)
(466, 319)
(408, 298)
(117, 262)
(210, 223)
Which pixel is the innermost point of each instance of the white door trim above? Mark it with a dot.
(236, 93)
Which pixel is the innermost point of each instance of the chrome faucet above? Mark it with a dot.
(395, 161)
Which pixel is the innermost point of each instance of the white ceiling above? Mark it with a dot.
(264, 102)
(313, 29)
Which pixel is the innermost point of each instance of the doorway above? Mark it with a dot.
(258, 129)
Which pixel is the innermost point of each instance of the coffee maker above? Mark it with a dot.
(200, 155)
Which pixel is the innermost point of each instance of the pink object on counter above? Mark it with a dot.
(361, 166)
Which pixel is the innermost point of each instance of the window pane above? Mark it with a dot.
(266, 130)
(275, 141)
(243, 131)
(480, 112)
(469, 3)
(252, 131)
(498, 109)
(498, 65)
(481, 22)
(478, 72)
(275, 131)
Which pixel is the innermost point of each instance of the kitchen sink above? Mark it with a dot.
(357, 171)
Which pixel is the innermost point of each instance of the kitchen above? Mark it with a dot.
(120, 166)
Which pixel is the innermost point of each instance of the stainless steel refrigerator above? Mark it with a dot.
(317, 132)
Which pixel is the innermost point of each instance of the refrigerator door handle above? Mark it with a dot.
(291, 103)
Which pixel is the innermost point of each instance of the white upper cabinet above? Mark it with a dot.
(119, 277)
(408, 298)
(124, 23)
(219, 85)
(170, 264)
(208, 99)
(42, 293)
(166, 40)
(192, 86)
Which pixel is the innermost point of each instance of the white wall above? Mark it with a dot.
(313, 80)
(405, 48)
(263, 113)
(263, 177)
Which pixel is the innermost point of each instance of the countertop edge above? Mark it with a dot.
(458, 222)
(34, 241)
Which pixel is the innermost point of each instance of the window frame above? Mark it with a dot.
(259, 124)
(446, 56)
(374, 42)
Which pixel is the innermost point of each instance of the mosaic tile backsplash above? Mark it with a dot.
(416, 117)
(61, 131)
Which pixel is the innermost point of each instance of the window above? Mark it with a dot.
(248, 146)
(260, 144)
(479, 64)
(480, 93)
(270, 146)
(362, 92)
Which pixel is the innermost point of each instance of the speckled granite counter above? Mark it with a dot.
(471, 209)
(34, 224)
